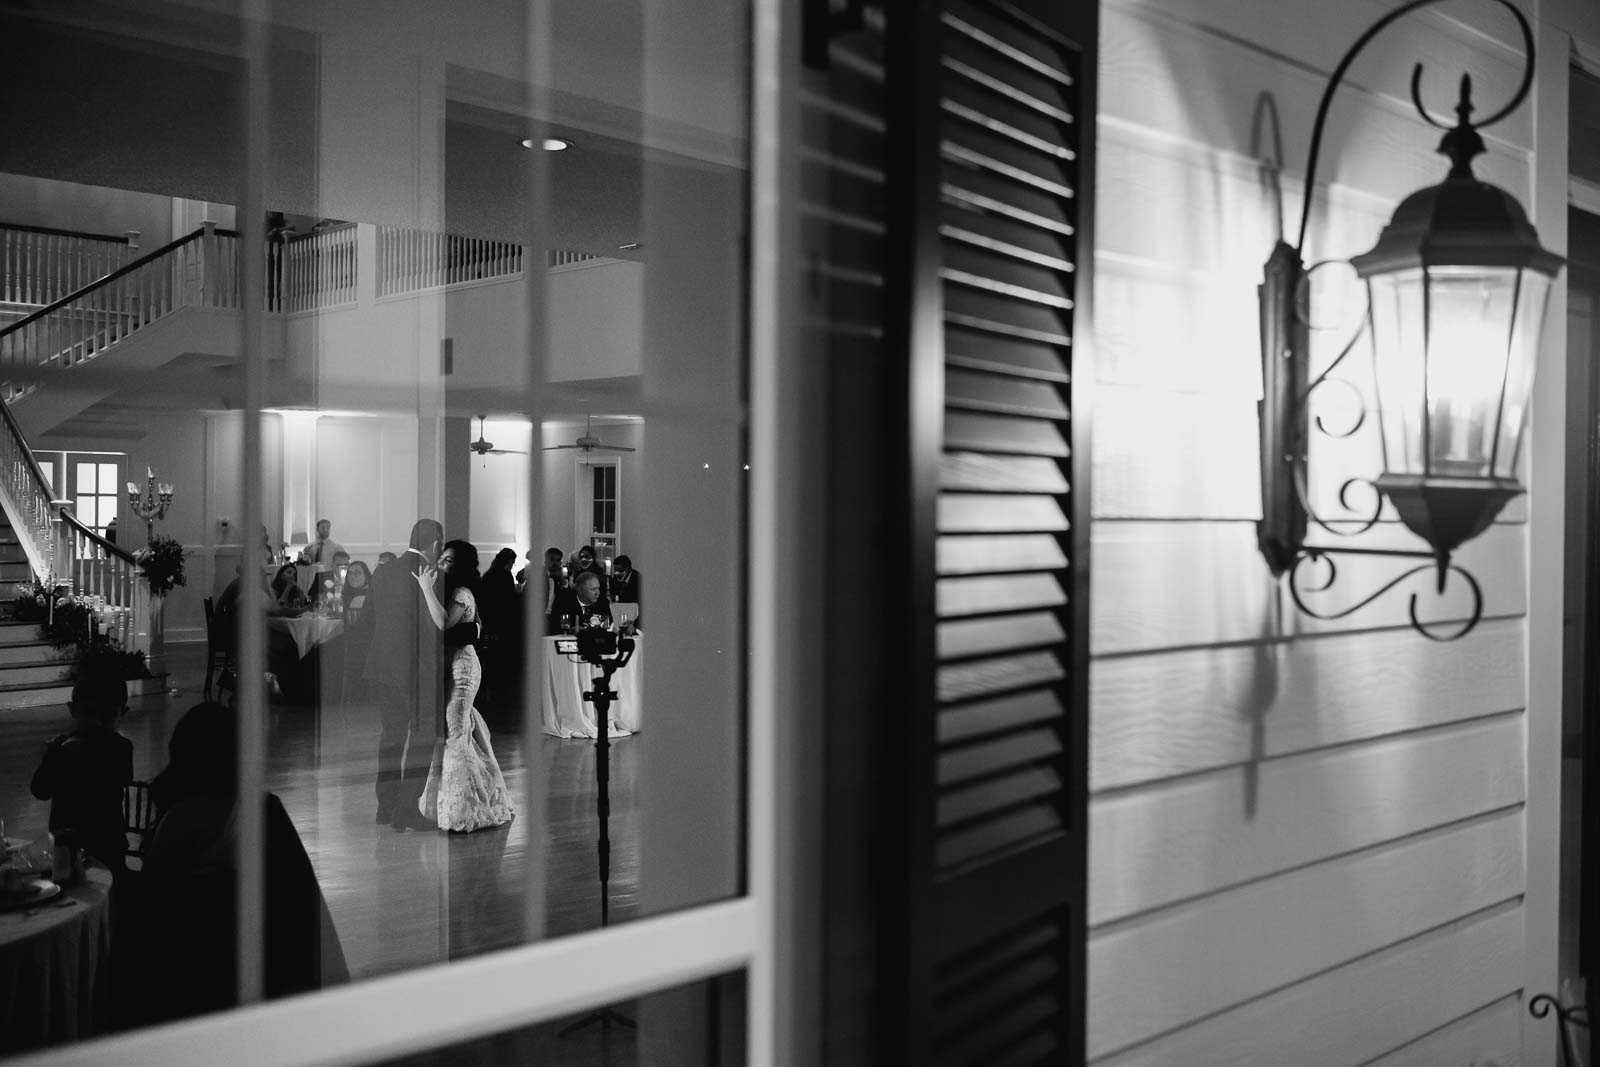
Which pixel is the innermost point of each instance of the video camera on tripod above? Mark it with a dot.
(603, 647)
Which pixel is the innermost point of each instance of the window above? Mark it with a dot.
(605, 500)
(96, 489)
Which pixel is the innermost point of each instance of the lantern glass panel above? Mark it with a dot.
(1531, 305)
(1469, 334)
(1398, 349)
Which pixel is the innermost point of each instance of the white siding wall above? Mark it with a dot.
(1307, 838)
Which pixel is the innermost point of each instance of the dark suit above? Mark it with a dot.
(405, 664)
(567, 603)
(626, 590)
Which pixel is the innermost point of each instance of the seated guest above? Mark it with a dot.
(357, 584)
(587, 563)
(625, 585)
(85, 770)
(386, 557)
(177, 956)
(287, 597)
(583, 601)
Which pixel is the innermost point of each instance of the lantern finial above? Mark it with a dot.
(1463, 142)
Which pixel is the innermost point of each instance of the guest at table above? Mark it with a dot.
(177, 954)
(625, 584)
(587, 564)
(320, 553)
(582, 602)
(85, 770)
(357, 584)
(287, 597)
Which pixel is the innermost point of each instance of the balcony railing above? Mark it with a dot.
(411, 260)
(312, 271)
(40, 265)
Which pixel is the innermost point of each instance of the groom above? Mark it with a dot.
(405, 666)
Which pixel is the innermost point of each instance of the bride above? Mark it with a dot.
(465, 789)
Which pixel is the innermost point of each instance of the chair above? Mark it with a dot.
(219, 652)
(140, 817)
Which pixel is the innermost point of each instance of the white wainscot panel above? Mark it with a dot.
(1174, 584)
(1158, 846)
(1146, 978)
(1358, 1012)
(1170, 713)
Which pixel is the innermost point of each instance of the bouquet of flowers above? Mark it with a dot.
(162, 564)
(69, 624)
(33, 599)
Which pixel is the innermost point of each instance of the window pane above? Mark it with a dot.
(428, 283)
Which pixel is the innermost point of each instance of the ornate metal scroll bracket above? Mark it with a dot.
(1570, 1018)
(1300, 588)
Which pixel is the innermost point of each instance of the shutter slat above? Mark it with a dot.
(958, 597)
(1003, 394)
(984, 636)
(977, 472)
(980, 554)
(967, 722)
(1000, 674)
(996, 433)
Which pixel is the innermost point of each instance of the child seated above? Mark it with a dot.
(85, 770)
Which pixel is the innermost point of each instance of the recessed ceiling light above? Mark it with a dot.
(551, 144)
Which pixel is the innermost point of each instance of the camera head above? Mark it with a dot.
(597, 643)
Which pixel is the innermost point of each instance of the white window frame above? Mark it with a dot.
(445, 1004)
(583, 531)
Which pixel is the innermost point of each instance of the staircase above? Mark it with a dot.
(33, 674)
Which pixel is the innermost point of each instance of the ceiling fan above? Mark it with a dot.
(590, 443)
(482, 447)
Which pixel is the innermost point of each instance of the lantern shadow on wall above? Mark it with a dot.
(1457, 287)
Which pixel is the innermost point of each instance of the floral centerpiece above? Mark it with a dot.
(161, 562)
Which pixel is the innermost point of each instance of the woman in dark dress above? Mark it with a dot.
(500, 647)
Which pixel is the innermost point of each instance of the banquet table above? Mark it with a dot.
(566, 678)
(309, 630)
(54, 961)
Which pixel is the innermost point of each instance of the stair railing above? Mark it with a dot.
(59, 546)
(40, 265)
(197, 270)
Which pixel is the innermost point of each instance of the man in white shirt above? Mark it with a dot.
(320, 552)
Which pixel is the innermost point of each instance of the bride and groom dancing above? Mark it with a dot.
(436, 767)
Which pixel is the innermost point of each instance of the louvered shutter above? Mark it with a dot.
(994, 162)
(945, 222)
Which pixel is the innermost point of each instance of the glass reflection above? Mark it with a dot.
(502, 383)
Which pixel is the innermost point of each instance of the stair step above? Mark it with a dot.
(13, 632)
(25, 674)
(35, 696)
(33, 652)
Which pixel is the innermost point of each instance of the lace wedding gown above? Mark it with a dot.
(465, 789)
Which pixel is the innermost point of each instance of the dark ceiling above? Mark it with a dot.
(100, 103)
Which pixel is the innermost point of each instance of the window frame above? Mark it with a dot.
(445, 1004)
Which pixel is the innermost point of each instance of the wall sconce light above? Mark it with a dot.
(1457, 287)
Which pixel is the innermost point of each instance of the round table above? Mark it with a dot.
(567, 714)
(53, 962)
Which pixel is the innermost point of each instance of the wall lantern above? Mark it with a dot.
(1457, 287)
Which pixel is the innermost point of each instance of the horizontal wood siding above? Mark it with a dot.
(1306, 837)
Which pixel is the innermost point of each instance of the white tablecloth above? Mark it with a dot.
(53, 963)
(308, 631)
(566, 678)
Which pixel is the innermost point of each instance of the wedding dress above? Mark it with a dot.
(465, 789)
